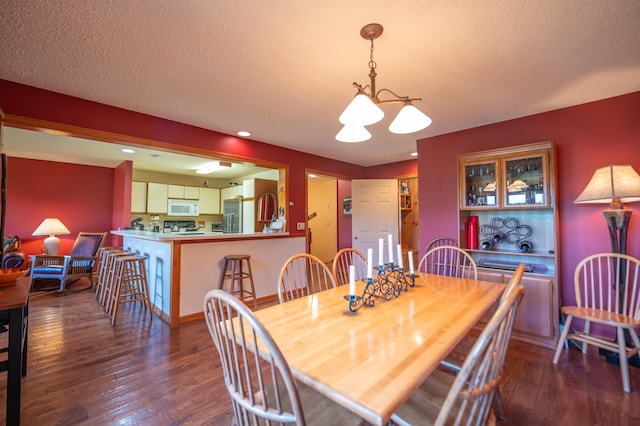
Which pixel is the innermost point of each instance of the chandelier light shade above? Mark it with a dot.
(51, 226)
(614, 185)
(364, 109)
(410, 119)
(361, 112)
(353, 133)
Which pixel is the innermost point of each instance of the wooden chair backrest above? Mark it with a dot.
(341, 262)
(87, 244)
(472, 392)
(261, 387)
(449, 261)
(301, 275)
(604, 281)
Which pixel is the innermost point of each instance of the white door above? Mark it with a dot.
(375, 210)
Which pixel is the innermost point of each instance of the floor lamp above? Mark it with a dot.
(614, 185)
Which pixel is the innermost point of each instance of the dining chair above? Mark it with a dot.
(607, 291)
(262, 387)
(442, 241)
(456, 357)
(465, 398)
(341, 262)
(303, 274)
(77, 264)
(450, 261)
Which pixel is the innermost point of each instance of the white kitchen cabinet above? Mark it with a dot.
(209, 201)
(139, 197)
(175, 191)
(157, 195)
(230, 192)
(192, 192)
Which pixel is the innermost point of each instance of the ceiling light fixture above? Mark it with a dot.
(127, 150)
(214, 167)
(364, 109)
(243, 133)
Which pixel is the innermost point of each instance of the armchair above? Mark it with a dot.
(78, 264)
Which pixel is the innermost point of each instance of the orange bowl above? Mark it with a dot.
(8, 275)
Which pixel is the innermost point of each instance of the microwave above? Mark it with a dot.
(183, 208)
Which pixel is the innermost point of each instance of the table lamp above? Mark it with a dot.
(614, 184)
(51, 226)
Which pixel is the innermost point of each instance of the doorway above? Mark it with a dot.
(322, 213)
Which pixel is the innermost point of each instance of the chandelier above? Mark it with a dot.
(364, 109)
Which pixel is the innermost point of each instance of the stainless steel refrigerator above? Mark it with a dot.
(232, 215)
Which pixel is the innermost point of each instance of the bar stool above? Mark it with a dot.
(107, 274)
(130, 285)
(233, 270)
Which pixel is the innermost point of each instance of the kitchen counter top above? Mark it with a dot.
(198, 236)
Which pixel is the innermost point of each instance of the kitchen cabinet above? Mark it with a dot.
(157, 196)
(512, 193)
(192, 192)
(139, 197)
(231, 192)
(183, 192)
(209, 200)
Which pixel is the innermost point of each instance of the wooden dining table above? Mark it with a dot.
(371, 361)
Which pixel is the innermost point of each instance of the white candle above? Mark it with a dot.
(390, 249)
(352, 280)
(380, 251)
(400, 265)
(410, 254)
(370, 263)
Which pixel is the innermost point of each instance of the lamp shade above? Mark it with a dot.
(51, 225)
(353, 134)
(361, 112)
(614, 184)
(410, 119)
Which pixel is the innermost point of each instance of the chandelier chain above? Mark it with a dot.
(372, 63)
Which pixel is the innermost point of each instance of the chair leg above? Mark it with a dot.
(497, 403)
(563, 337)
(624, 363)
(587, 331)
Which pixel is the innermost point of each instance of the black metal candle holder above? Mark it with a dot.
(388, 282)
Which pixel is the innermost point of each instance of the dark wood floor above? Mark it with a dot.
(81, 371)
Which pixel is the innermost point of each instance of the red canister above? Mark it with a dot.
(472, 232)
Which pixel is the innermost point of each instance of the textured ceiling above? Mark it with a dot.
(283, 69)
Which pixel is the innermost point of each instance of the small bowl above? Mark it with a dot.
(8, 275)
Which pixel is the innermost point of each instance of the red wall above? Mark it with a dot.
(586, 136)
(31, 102)
(80, 196)
(393, 170)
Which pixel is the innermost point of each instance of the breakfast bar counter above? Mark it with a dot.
(183, 267)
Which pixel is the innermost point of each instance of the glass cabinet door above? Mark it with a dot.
(479, 182)
(526, 181)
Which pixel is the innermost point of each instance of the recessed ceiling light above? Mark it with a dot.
(311, 175)
(156, 156)
(243, 133)
(414, 154)
(128, 150)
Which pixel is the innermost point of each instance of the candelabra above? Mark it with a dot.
(389, 281)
